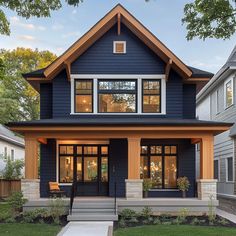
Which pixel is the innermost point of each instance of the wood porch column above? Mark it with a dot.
(134, 158)
(207, 157)
(31, 158)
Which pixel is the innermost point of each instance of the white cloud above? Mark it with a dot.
(15, 21)
(27, 37)
(57, 26)
(71, 34)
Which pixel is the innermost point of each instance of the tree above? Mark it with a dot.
(18, 100)
(27, 9)
(210, 19)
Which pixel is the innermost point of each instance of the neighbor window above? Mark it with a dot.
(216, 169)
(5, 151)
(229, 169)
(228, 93)
(12, 154)
(151, 96)
(117, 96)
(160, 164)
(217, 101)
(84, 96)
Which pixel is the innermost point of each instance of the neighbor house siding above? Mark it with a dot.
(100, 59)
(45, 101)
(47, 166)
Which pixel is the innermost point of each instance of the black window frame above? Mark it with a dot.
(231, 168)
(118, 91)
(216, 167)
(92, 94)
(163, 154)
(145, 80)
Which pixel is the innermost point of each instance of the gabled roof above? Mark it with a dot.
(117, 15)
(8, 136)
(220, 75)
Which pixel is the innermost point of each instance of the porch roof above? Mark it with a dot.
(117, 121)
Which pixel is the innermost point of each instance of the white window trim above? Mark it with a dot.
(225, 100)
(112, 76)
(226, 170)
(114, 47)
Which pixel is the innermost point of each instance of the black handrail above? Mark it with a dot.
(72, 195)
(115, 207)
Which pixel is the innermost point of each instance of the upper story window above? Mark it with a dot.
(229, 93)
(117, 96)
(151, 96)
(229, 169)
(119, 47)
(84, 96)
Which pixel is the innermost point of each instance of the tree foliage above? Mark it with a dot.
(18, 100)
(27, 9)
(210, 19)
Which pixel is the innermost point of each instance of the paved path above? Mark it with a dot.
(226, 215)
(91, 228)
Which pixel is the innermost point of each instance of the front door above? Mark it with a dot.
(91, 170)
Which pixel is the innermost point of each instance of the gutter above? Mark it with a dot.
(12, 141)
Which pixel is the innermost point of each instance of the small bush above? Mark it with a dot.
(122, 223)
(211, 212)
(16, 201)
(127, 214)
(133, 220)
(195, 221)
(182, 215)
(148, 220)
(223, 221)
(165, 217)
(57, 209)
(31, 216)
(10, 220)
(156, 221)
(146, 212)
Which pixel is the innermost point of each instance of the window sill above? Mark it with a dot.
(226, 108)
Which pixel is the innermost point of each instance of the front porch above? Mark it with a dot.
(126, 167)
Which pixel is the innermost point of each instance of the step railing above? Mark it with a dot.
(115, 199)
(73, 194)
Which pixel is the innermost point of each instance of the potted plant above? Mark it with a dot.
(183, 185)
(147, 185)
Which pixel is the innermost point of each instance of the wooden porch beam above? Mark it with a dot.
(42, 140)
(167, 70)
(134, 158)
(195, 140)
(68, 70)
(118, 24)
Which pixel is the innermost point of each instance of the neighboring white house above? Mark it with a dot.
(10, 145)
(217, 102)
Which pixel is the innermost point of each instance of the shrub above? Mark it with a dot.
(223, 221)
(133, 220)
(211, 212)
(182, 215)
(183, 184)
(122, 223)
(31, 216)
(57, 209)
(127, 214)
(146, 212)
(147, 185)
(195, 221)
(165, 217)
(16, 201)
(156, 221)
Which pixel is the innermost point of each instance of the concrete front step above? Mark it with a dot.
(93, 205)
(92, 217)
(91, 210)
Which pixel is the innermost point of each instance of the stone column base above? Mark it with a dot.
(30, 188)
(206, 189)
(134, 189)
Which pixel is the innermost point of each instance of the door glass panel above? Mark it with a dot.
(144, 149)
(66, 169)
(143, 167)
(90, 169)
(66, 150)
(104, 169)
(170, 171)
(156, 149)
(156, 171)
(104, 150)
(90, 150)
(79, 150)
(79, 168)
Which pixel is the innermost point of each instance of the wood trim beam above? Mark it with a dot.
(42, 140)
(195, 140)
(118, 24)
(167, 69)
(68, 69)
(134, 158)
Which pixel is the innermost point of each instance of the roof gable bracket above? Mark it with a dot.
(118, 24)
(167, 70)
(68, 70)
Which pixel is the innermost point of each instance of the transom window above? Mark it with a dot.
(159, 163)
(117, 96)
(84, 96)
(151, 96)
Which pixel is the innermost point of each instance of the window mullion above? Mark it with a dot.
(95, 95)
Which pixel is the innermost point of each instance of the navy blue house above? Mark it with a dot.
(116, 108)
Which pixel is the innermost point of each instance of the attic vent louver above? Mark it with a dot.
(119, 47)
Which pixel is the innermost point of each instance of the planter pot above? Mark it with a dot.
(184, 194)
(145, 194)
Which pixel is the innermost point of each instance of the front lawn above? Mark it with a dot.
(175, 230)
(29, 229)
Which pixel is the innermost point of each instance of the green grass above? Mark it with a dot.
(17, 229)
(176, 230)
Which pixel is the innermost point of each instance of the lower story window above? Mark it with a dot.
(66, 169)
(229, 169)
(159, 163)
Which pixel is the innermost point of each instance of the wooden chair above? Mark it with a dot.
(55, 191)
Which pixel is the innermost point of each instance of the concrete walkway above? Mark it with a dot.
(226, 215)
(91, 228)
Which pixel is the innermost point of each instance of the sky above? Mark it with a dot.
(161, 17)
